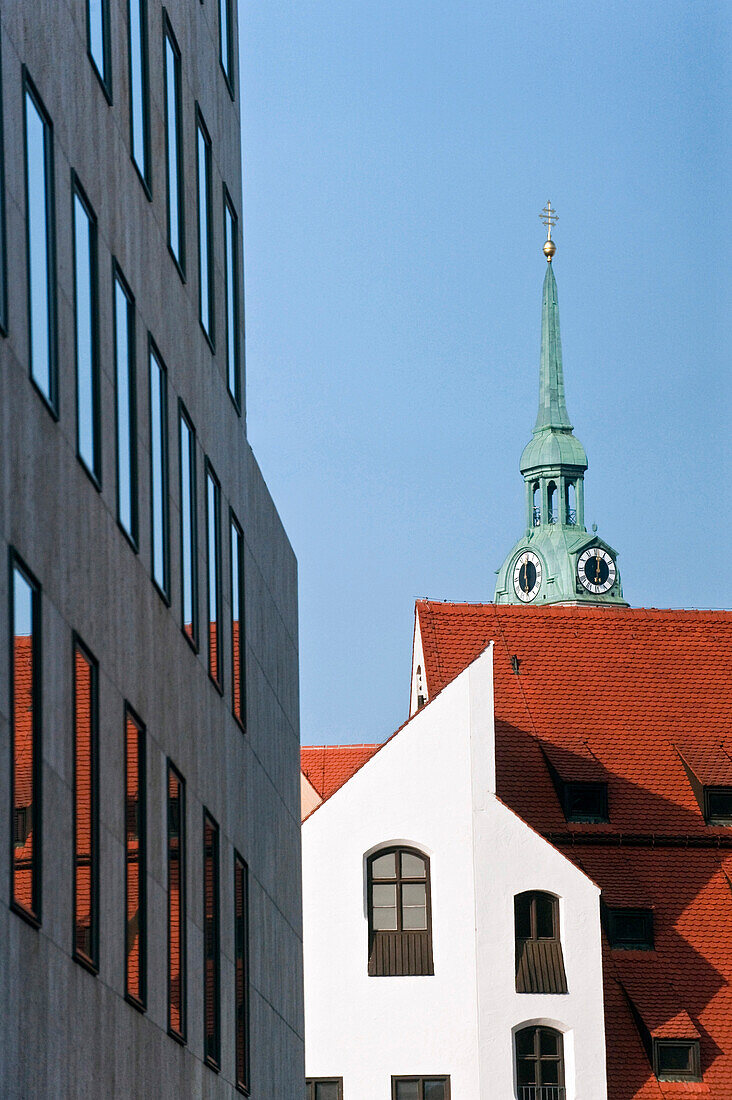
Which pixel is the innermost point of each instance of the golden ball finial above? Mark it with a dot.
(550, 219)
(549, 249)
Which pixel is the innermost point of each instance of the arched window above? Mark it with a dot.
(539, 959)
(536, 505)
(540, 1064)
(551, 492)
(400, 917)
(570, 503)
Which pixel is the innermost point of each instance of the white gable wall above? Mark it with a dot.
(433, 787)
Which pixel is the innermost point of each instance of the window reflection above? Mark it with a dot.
(26, 745)
(176, 903)
(188, 524)
(226, 39)
(98, 38)
(211, 939)
(40, 237)
(241, 978)
(173, 145)
(205, 272)
(232, 311)
(238, 640)
(159, 471)
(87, 365)
(139, 118)
(85, 806)
(124, 373)
(213, 506)
(135, 859)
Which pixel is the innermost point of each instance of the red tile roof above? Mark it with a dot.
(328, 767)
(624, 692)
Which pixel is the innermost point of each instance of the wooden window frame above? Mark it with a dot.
(118, 279)
(242, 1028)
(406, 963)
(183, 417)
(692, 1074)
(130, 716)
(50, 399)
(94, 471)
(539, 959)
(171, 770)
(90, 961)
(212, 1059)
(427, 1078)
(311, 1084)
(538, 1057)
(34, 915)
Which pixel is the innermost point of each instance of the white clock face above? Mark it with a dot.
(596, 570)
(527, 576)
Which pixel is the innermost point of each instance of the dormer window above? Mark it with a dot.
(586, 802)
(718, 805)
(677, 1059)
(629, 929)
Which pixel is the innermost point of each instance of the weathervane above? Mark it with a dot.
(550, 218)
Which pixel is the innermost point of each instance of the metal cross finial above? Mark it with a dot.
(550, 219)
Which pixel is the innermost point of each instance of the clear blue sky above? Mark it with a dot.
(396, 155)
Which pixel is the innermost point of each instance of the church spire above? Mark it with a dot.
(552, 405)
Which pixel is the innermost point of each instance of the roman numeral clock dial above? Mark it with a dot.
(596, 571)
(527, 576)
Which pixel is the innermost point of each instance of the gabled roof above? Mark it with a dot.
(328, 767)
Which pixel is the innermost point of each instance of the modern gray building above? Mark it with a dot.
(150, 915)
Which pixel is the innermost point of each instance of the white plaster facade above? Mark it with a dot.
(432, 787)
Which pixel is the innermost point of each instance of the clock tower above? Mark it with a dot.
(556, 560)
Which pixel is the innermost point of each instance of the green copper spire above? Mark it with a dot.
(552, 405)
(557, 560)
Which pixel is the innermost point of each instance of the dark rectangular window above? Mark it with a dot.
(718, 805)
(630, 929)
(677, 1059)
(87, 333)
(538, 948)
(211, 973)
(585, 801)
(188, 550)
(3, 233)
(226, 39)
(135, 860)
(86, 807)
(159, 471)
(176, 904)
(241, 976)
(97, 42)
(125, 405)
(40, 246)
(139, 91)
(213, 550)
(238, 632)
(25, 779)
(233, 339)
(174, 147)
(324, 1088)
(422, 1088)
(205, 246)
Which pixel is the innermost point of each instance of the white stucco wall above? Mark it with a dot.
(433, 787)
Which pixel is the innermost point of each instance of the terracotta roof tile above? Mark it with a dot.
(328, 767)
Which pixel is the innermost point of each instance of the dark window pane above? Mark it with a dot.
(159, 471)
(139, 109)
(674, 1057)
(26, 746)
(238, 639)
(526, 1071)
(525, 1042)
(211, 1006)
(548, 1042)
(231, 244)
(586, 801)
(522, 911)
(241, 977)
(550, 1073)
(85, 807)
(205, 257)
(135, 859)
(124, 369)
(40, 238)
(631, 928)
(327, 1090)
(187, 525)
(87, 359)
(407, 1090)
(544, 916)
(434, 1089)
(213, 508)
(176, 903)
(719, 804)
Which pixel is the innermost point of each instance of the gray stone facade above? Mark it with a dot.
(65, 1032)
